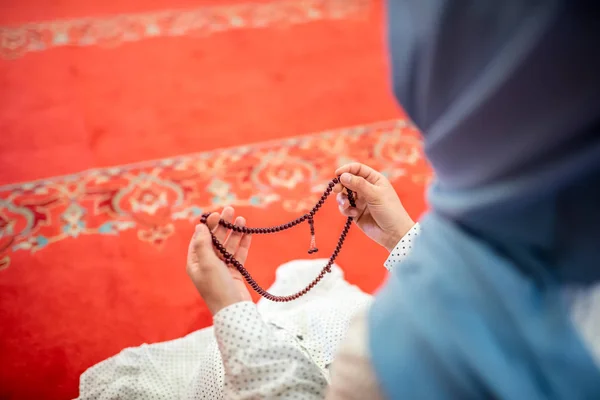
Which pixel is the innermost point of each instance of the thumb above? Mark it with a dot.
(203, 252)
(359, 185)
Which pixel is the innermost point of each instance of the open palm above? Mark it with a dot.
(235, 243)
(219, 284)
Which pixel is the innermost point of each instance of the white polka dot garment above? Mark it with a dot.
(403, 247)
(263, 351)
(269, 350)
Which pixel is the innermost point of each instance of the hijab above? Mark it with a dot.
(507, 95)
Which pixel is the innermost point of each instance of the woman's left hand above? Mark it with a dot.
(219, 284)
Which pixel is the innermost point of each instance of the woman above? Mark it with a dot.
(507, 95)
(282, 345)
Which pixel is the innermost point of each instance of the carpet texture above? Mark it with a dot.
(120, 125)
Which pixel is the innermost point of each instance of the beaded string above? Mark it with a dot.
(309, 217)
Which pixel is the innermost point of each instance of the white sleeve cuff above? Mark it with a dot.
(402, 249)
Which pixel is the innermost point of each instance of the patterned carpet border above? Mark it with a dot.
(15, 41)
(149, 197)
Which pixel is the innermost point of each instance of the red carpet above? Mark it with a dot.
(94, 262)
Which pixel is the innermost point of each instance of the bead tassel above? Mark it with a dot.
(229, 259)
(313, 242)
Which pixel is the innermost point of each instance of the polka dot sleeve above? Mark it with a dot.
(262, 361)
(403, 247)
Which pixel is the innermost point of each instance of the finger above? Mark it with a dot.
(338, 188)
(242, 252)
(359, 185)
(213, 221)
(342, 200)
(192, 258)
(361, 170)
(233, 241)
(349, 212)
(201, 250)
(219, 231)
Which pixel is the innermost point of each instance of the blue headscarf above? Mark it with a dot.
(507, 95)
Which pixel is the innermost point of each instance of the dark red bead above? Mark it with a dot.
(228, 257)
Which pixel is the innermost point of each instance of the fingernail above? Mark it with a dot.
(346, 178)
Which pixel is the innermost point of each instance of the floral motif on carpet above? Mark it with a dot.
(15, 41)
(148, 197)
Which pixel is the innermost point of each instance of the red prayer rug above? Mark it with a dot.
(120, 123)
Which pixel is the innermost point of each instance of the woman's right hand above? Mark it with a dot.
(379, 213)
